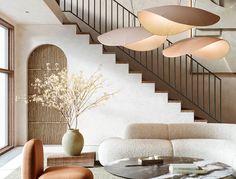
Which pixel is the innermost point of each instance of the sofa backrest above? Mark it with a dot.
(202, 131)
(147, 131)
(181, 131)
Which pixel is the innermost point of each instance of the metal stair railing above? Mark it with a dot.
(184, 74)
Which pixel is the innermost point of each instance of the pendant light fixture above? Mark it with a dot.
(173, 19)
(134, 38)
(210, 48)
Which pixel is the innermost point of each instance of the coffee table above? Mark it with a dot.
(129, 168)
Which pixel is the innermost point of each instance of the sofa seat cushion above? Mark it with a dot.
(67, 173)
(114, 149)
(209, 149)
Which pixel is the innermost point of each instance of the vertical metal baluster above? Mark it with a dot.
(129, 19)
(215, 96)
(134, 21)
(169, 68)
(117, 15)
(203, 78)
(163, 63)
(220, 100)
(100, 18)
(169, 73)
(64, 5)
(209, 92)
(158, 70)
(175, 72)
(123, 17)
(180, 72)
(111, 14)
(197, 83)
(88, 12)
(140, 57)
(152, 60)
(186, 74)
(146, 60)
(82, 9)
(192, 78)
(94, 14)
(105, 15)
(77, 8)
(71, 7)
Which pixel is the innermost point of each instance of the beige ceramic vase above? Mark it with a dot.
(72, 142)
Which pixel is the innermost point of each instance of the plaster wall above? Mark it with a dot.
(135, 102)
(228, 97)
(28, 12)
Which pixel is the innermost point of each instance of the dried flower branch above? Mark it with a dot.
(71, 95)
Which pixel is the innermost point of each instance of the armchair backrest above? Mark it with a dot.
(32, 166)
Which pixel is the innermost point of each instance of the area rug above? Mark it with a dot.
(98, 172)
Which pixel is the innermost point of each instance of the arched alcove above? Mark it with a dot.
(44, 123)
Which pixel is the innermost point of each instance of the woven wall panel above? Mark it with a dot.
(36, 111)
(49, 133)
(47, 54)
(44, 123)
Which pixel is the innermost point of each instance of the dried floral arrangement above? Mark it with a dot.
(70, 94)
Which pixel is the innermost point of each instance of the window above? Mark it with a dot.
(6, 86)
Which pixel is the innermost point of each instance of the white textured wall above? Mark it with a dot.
(135, 102)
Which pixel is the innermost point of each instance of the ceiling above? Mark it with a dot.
(27, 12)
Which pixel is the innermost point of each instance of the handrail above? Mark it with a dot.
(197, 62)
(184, 74)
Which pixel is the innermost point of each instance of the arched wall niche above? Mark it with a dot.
(44, 123)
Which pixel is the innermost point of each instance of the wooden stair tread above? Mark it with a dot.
(199, 119)
(94, 43)
(112, 53)
(159, 91)
(174, 101)
(187, 110)
(196, 120)
(148, 81)
(121, 62)
(83, 33)
(134, 71)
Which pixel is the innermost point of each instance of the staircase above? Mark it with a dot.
(183, 78)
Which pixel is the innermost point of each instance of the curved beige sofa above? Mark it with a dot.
(216, 142)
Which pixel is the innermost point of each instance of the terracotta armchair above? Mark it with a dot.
(32, 167)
